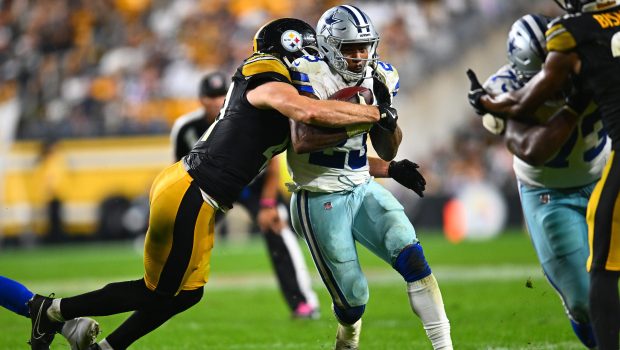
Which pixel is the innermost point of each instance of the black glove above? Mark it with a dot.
(476, 91)
(382, 93)
(387, 117)
(405, 173)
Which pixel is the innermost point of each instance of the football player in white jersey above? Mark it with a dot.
(335, 200)
(557, 165)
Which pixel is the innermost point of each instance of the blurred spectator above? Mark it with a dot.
(108, 67)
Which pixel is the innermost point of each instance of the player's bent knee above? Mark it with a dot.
(350, 315)
(189, 298)
(411, 263)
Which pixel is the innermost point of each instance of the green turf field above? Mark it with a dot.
(483, 284)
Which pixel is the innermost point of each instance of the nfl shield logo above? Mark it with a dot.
(327, 205)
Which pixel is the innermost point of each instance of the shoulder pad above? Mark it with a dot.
(388, 75)
(307, 64)
(504, 80)
(559, 38)
(556, 20)
(264, 63)
(307, 72)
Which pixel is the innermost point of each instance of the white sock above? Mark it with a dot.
(53, 312)
(104, 345)
(426, 302)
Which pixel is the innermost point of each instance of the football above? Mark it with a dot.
(493, 124)
(352, 94)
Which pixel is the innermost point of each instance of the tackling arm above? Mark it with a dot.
(521, 104)
(307, 138)
(285, 99)
(536, 144)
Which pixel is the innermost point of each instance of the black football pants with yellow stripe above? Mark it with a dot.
(177, 255)
(604, 261)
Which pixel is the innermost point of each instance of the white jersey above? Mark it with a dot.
(344, 166)
(579, 161)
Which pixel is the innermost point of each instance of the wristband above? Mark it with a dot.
(267, 203)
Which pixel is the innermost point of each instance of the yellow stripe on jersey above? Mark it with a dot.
(179, 240)
(262, 63)
(559, 39)
(611, 253)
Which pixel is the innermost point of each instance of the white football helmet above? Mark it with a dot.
(341, 25)
(526, 45)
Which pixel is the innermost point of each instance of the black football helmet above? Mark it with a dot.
(286, 38)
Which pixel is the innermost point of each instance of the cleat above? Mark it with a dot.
(348, 337)
(305, 311)
(36, 345)
(80, 332)
(43, 329)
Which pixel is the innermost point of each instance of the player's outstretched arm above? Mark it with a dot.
(285, 99)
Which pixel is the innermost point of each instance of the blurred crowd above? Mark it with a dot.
(473, 156)
(114, 67)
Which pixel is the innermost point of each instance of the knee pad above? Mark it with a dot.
(349, 316)
(411, 263)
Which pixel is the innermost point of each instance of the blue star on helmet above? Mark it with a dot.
(329, 22)
(511, 46)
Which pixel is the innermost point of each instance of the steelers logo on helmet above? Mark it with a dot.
(291, 40)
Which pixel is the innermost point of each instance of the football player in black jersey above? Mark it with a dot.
(261, 198)
(252, 127)
(584, 46)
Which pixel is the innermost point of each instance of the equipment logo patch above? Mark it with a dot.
(291, 40)
(327, 205)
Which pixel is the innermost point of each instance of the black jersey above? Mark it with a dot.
(595, 37)
(238, 145)
(186, 131)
